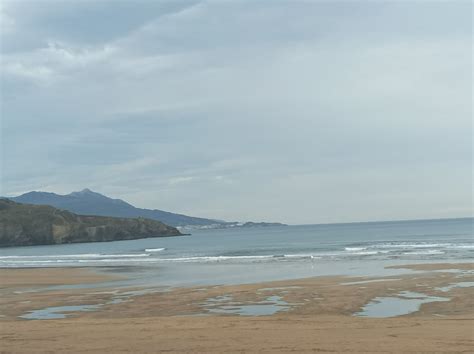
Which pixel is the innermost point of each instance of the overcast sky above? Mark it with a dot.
(292, 111)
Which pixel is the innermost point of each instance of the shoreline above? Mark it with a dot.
(74, 284)
(318, 314)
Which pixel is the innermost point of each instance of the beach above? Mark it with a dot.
(318, 314)
(216, 177)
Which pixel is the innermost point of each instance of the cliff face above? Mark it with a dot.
(25, 225)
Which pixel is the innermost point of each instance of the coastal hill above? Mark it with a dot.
(26, 225)
(87, 202)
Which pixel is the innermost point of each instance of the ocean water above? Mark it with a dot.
(243, 255)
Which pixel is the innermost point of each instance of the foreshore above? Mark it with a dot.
(305, 315)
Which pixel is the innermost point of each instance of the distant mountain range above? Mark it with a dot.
(87, 202)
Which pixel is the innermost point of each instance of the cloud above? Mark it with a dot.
(33, 24)
(242, 111)
(180, 180)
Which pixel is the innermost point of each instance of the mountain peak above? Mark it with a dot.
(85, 192)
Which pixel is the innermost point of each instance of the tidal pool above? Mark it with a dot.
(463, 284)
(58, 312)
(225, 305)
(406, 302)
(50, 313)
(368, 281)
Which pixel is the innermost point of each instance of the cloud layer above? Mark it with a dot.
(292, 111)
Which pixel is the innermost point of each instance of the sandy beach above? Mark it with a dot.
(318, 315)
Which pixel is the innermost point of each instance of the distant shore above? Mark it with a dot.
(318, 314)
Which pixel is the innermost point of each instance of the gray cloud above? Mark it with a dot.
(31, 24)
(293, 111)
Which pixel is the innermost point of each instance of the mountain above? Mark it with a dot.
(87, 202)
(26, 225)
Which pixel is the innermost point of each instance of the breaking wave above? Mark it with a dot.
(154, 249)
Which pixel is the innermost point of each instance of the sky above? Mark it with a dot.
(291, 111)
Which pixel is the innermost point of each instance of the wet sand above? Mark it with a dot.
(437, 266)
(319, 317)
(25, 277)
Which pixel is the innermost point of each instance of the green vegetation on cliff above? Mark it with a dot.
(26, 225)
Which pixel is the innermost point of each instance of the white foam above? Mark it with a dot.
(209, 259)
(420, 253)
(355, 248)
(464, 246)
(298, 256)
(86, 255)
(40, 262)
(365, 253)
(119, 260)
(154, 249)
(78, 256)
(275, 257)
(216, 258)
(412, 245)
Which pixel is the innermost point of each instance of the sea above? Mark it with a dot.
(254, 254)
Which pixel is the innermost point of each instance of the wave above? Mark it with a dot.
(76, 261)
(154, 249)
(272, 257)
(219, 258)
(150, 258)
(464, 246)
(421, 253)
(355, 248)
(128, 258)
(412, 245)
(35, 262)
(381, 250)
(78, 256)
(365, 253)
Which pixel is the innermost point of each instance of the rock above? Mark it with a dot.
(26, 225)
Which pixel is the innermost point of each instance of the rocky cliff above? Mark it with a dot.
(26, 225)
